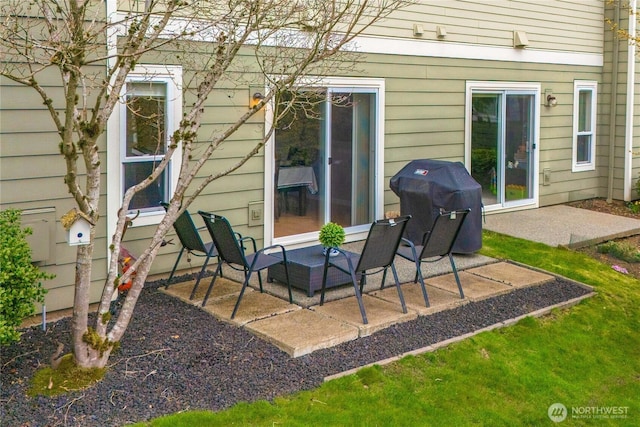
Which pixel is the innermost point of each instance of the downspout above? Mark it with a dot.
(613, 104)
(631, 77)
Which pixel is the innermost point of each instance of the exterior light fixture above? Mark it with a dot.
(550, 99)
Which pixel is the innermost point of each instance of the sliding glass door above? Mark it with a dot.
(503, 143)
(324, 161)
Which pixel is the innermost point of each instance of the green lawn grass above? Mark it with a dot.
(583, 357)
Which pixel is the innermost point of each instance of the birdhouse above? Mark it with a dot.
(78, 227)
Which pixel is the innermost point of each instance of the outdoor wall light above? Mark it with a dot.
(255, 99)
(551, 100)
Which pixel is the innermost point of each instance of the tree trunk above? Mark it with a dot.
(85, 356)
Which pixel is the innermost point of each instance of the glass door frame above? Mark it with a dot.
(508, 88)
(358, 232)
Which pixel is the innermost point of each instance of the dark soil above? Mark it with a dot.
(176, 357)
(616, 207)
(620, 208)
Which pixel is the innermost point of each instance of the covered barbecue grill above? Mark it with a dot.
(427, 186)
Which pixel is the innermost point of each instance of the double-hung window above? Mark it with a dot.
(150, 112)
(584, 125)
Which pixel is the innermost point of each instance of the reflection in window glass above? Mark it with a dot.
(584, 114)
(325, 160)
(584, 118)
(146, 119)
(145, 142)
(150, 197)
(583, 153)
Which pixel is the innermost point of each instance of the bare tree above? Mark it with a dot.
(287, 39)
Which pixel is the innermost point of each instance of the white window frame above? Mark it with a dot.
(579, 86)
(500, 86)
(330, 83)
(172, 77)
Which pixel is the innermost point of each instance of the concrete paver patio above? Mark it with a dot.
(299, 329)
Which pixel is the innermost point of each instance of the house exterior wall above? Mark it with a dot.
(430, 124)
(572, 26)
(32, 179)
(425, 81)
(618, 131)
(635, 162)
(633, 165)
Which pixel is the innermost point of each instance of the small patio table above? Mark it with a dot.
(306, 266)
(300, 179)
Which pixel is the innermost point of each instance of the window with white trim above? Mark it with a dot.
(150, 112)
(584, 125)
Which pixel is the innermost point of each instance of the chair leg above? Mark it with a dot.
(166, 286)
(359, 297)
(259, 281)
(200, 274)
(206, 296)
(384, 278)
(286, 274)
(455, 273)
(244, 287)
(400, 295)
(324, 277)
(420, 279)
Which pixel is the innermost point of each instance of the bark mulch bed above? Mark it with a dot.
(176, 357)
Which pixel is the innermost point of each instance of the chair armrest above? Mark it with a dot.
(407, 241)
(253, 241)
(282, 249)
(346, 255)
(413, 249)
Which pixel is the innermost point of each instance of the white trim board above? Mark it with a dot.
(419, 48)
(442, 49)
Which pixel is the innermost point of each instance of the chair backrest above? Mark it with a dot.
(229, 249)
(187, 231)
(440, 239)
(382, 243)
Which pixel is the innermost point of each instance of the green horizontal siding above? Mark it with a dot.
(553, 25)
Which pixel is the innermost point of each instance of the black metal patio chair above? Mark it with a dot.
(231, 251)
(192, 243)
(377, 254)
(436, 244)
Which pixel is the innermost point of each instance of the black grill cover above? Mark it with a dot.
(427, 186)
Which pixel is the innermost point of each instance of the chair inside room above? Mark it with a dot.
(377, 256)
(192, 244)
(436, 244)
(231, 251)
